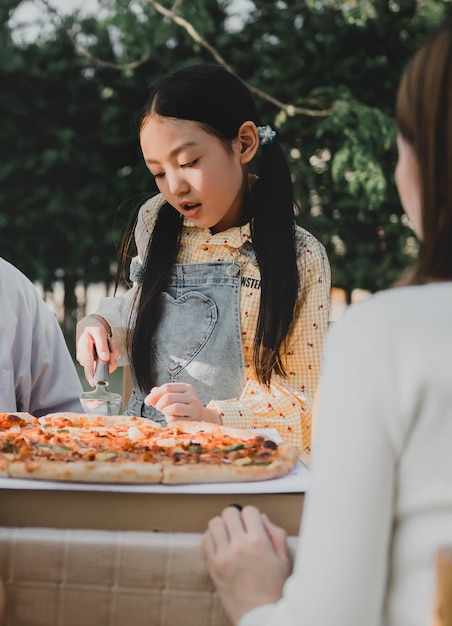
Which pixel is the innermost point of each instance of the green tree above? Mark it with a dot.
(345, 59)
(71, 156)
(325, 74)
(330, 70)
(69, 127)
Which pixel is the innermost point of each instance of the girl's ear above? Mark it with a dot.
(249, 141)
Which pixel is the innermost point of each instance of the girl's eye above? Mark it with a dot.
(191, 164)
(160, 175)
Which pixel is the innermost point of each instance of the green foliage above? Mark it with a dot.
(69, 124)
(344, 58)
(61, 184)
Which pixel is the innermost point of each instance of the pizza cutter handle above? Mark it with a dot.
(101, 373)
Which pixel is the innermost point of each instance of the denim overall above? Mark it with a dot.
(198, 340)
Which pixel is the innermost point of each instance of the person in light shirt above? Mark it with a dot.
(227, 319)
(37, 374)
(380, 502)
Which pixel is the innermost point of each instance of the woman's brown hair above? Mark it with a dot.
(424, 120)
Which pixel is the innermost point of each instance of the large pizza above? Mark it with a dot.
(124, 449)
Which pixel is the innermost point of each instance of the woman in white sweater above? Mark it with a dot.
(380, 503)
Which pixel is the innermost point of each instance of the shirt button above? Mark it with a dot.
(233, 270)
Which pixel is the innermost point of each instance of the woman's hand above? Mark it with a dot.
(179, 401)
(93, 342)
(248, 559)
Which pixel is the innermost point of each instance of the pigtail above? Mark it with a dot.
(273, 231)
(127, 248)
(160, 257)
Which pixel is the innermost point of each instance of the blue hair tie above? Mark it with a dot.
(266, 134)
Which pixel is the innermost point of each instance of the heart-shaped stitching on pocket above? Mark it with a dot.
(194, 312)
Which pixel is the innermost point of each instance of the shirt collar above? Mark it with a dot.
(234, 237)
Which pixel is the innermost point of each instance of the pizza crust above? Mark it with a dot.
(4, 465)
(82, 420)
(88, 472)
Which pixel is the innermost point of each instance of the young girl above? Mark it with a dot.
(380, 502)
(227, 318)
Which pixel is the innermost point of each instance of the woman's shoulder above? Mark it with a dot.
(13, 279)
(399, 311)
(419, 299)
(16, 288)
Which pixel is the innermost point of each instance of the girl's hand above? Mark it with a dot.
(247, 558)
(93, 342)
(179, 401)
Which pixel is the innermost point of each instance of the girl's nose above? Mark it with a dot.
(177, 183)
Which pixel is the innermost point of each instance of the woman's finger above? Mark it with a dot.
(233, 520)
(253, 522)
(218, 533)
(207, 545)
(277, 535)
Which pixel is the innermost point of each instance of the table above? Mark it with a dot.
(173, 508)
(115, 555)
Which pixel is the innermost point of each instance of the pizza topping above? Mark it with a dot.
(105, 456)
(242, 461)
(135, 434)
(234, 447)
(8, 421)
(166, 443)
(15, 429)
(53, 447)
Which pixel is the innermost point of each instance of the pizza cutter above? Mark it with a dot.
(100, 401)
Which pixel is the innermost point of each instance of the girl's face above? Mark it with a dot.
(408, 186)
(195, 172)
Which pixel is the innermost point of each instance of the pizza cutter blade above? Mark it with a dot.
(100, 401)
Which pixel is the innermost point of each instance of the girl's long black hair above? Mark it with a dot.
(220, 102)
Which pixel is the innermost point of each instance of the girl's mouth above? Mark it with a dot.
(190, 209)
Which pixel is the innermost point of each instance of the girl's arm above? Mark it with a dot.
(112, 316)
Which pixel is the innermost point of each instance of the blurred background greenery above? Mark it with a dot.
(72, 84)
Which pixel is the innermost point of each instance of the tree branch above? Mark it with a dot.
(84, 51)
(289, 109)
